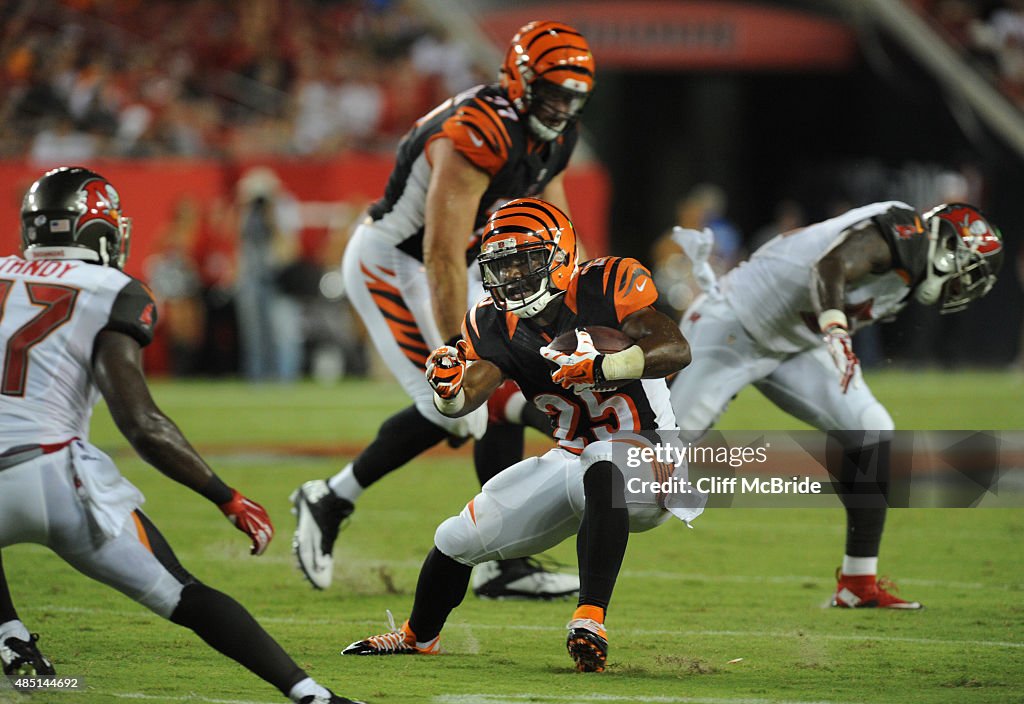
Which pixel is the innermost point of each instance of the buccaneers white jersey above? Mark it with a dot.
(771, 293)
(50, 314)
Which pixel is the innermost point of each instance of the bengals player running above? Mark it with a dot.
(406, 272)
(73, 325)
(529, 265)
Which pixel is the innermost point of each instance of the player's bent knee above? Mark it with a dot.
(459, 538)
(164, 597)
(600, 451)
(875, 417)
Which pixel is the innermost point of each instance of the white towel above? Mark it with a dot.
(107, 495)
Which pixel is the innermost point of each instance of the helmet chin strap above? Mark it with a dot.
(929, 290)
(536, 306)
(542, 131)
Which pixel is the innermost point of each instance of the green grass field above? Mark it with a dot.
(744, 584)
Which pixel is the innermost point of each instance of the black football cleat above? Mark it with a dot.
(320, 516)
(587, 644)
(22, 658)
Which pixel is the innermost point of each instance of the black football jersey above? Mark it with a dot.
(606, 291)
(486, 129)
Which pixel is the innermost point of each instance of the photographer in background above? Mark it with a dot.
(269, 272)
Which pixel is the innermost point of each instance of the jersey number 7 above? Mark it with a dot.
(58, 305)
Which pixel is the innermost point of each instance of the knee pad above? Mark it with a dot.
(461, 538)
(600, 451)
(875, 417)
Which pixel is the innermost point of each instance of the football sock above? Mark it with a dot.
(500, 447)
(859, 566)
(7, 610)
(604, 532)
(345, 485)
(441, 587)
(594, 613)
(864, 528)
(14, 629)
(227, 627)
(861, 475)
(401, 437)
(308, 687)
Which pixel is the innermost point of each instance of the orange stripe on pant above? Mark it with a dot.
(399, 318)
(141, 532)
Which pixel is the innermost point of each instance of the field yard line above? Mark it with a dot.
(506, 698)
(621, 631)
(787, 578)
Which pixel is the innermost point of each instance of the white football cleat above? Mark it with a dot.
(320, 515)
(522, 578)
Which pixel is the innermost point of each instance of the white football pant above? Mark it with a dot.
(389, 290)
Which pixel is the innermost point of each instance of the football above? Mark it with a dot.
(606, 340)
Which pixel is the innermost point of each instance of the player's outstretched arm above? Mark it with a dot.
(460, 387)
(117, 366)
(665, 349)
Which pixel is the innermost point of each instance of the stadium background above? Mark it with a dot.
(819, 101)
(823, 103)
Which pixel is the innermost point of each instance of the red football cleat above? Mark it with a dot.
(868, 592)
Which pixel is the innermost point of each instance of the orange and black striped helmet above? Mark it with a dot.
(548, 74)
(528, 256)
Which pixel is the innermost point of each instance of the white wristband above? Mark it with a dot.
(831, 318)
(450, 406)
(627, 364)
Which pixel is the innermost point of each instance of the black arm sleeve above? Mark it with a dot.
(907, 238)
(133, 313)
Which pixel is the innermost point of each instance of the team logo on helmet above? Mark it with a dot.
(964, 257)
(98, 200)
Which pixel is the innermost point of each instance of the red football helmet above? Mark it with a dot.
(74, 213)
(965, 253)
(548, 74)
(528, 256)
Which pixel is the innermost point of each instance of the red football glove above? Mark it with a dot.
(446, 366)
(577, 371)
(840, 346)
(250, 518)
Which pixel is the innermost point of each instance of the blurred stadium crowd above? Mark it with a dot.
(240, 81)
(134, 78)
(990, 35)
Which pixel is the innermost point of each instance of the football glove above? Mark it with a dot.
(446, 367)
(579, 370)
(698, 245)
(840, 346)
(249, 517)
